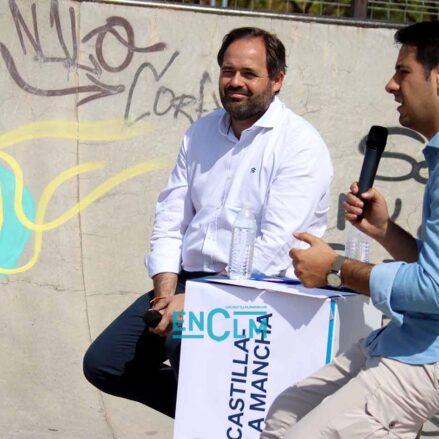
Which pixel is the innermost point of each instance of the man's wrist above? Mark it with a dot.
(386, 235)
(163, 294)
(356, 275)
(334, 277)
(165, 284)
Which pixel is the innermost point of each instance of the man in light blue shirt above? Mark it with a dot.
(387, 385)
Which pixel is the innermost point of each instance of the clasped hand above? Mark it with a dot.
(167, 306)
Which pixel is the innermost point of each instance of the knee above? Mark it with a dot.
(89, 365)
(283, 413)
(93, 369)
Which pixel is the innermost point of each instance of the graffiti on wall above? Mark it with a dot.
(95, 87)
(18, 217)
(98, 79)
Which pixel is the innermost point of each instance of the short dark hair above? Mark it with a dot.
(425, 37)
(274, 48)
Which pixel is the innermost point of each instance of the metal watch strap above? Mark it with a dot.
(337, 264)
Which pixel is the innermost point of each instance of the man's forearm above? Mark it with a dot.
(356, 275)
(165, 284)
(400, 244)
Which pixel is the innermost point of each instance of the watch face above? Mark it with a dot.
(334, 280)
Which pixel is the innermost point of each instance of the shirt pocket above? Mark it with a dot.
(396, 415)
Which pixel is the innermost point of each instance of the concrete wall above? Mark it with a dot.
(94, 100)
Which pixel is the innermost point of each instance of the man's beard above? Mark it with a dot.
(252, 107)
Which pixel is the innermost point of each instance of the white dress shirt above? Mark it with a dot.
(280, 166)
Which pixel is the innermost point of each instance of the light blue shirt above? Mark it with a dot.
(408, 293)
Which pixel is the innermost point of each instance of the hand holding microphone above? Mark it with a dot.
(152, 318)
(375, 222)
(160, 318)
(375, 144)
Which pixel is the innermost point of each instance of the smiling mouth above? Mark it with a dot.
(237, 93)
(236, 97)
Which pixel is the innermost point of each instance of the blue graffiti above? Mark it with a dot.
(13, 235)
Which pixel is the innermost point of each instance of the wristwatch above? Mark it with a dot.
(333, 278)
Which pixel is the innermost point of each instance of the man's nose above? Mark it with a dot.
(237, 80)
(392, 86)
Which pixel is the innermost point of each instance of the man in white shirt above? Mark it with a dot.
(254, 152)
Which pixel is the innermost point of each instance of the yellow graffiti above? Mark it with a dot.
(92, 131)
(86, 131)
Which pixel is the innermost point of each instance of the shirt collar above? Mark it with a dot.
(267, 120)
(271, 116)
(431, 152)
(434, 141)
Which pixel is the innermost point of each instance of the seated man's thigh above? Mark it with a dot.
(388, 399)
(298, 400)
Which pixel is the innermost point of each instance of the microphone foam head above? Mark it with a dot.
(377, 138)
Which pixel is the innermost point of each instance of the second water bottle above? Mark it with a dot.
(242, 246)
(357, 244)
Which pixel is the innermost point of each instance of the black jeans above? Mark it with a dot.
(126, 360)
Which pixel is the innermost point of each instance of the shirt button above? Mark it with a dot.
(392, 424)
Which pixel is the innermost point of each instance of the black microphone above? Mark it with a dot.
(152, 318)
(375, 144)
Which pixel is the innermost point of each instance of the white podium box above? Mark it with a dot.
(243, 342)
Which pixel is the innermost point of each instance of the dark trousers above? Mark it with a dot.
(126, 360)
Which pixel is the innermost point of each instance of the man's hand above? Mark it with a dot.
(167, 306)
(373, 219)
(166, 301)
(312, 265)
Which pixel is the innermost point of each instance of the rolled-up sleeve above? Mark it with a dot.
(415, 289)
(397, 288)
(380, 284)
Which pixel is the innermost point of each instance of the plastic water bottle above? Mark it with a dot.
(357, 244)
(242, 246)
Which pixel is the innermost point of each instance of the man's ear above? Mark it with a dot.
(278, 81)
